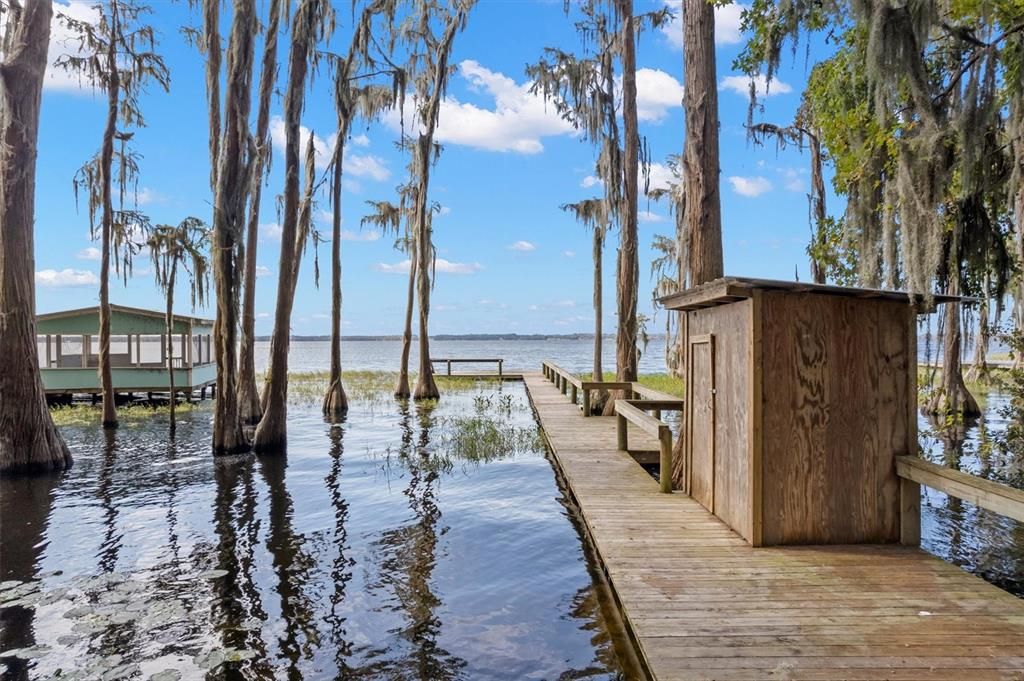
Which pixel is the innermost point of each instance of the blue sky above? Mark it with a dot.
(509, 259)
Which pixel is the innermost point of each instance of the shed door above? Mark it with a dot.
(701, 419)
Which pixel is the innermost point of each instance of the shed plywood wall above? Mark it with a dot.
(835, 406)
(730, 326)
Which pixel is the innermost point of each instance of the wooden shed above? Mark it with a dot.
(798, 398)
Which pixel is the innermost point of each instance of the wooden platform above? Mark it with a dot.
(700, 603)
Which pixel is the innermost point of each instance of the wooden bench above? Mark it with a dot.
(467, 360)
(634, 411)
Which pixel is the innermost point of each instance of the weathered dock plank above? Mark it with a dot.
(702, 604)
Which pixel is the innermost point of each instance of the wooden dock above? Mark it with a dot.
(701, 603)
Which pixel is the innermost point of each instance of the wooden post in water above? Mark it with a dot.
(620, 432)
(665, 460)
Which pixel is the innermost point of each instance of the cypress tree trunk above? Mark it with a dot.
(29, 441)
(952, 397)
(701, 170)
(107, 224)
(169, 324)
(818, 209)
(272, 431)
(402, 390)
(248, 394)
(601, 398)
(335, 401)
(426, 387)
(702, 207)
(628, 280)
(228, 221)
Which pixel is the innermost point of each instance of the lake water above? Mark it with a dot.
(384, 355)
(388, 546)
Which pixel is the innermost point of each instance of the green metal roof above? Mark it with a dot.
(123, 320)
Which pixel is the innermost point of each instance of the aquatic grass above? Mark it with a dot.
(309, 387)
(661, 382)
(480, 439)
(91, 415)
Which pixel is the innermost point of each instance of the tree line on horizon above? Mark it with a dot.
(917, 111)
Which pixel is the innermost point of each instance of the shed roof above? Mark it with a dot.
(731, 289)
(124, 309)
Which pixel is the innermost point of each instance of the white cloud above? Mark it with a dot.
(522, 246)
(445, 210)
(361, 141)
(369, 235)
(321, 315)
(591, 181)
(262, 315)
(90, 253)
(569, 254)
(656, 93)
(270, 231)
(66, 278)
(750, 186)
(440, 265)
(566, 303)
(792, 179)
(648, 216)
(659, 177)
(727, 24)
(356, 165)
(518, 122)
(533, 308)
(262, 271)
(147, 196)
(741, 86)
(63, 41)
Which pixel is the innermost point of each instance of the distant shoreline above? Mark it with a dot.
(457, 337)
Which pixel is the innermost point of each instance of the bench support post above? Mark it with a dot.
(665, 460)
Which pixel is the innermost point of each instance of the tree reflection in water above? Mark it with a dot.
(341, 566)
(292, 565)
(406, 557)
(29, 500)
(982, 542)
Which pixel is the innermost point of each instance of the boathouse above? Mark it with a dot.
(799, 398)
(68, 348)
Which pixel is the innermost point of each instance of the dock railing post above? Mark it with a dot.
(665, 460)
(449, 367)
(500, 362)
(573, 395)
(910, 513)
(564, 386)
(586, 402)
(620, 432)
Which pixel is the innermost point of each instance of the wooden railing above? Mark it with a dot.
(467, 360)
(639, 401)
(914, 472)
(635, 412)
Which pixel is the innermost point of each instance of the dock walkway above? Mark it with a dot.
(700, 603)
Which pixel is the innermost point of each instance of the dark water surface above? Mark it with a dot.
(387, 547)
(980, 541)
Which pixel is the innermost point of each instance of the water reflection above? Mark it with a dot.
(364, 554)
(982, 542)
(405, 559)
(24, 508)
